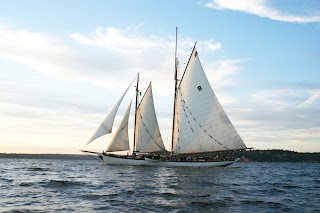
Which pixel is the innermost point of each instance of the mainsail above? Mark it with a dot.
(120, 140)
(148, 135)
(106, 125)
(201, 125)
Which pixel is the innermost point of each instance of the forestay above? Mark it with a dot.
(201, 125)
(148, 137)
(120, 140)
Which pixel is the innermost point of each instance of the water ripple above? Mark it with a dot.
(31, 185)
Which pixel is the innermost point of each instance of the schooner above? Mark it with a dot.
(200, 126)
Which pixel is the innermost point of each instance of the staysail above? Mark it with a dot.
(120, 140)
(106, 125)
(201, 125)
(148, 136)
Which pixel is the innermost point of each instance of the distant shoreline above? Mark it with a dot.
(47, 156)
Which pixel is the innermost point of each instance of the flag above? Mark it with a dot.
(246, 160)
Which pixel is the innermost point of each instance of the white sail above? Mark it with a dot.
(106, 125)
(120, 140)
(148, 137)
(201, 125)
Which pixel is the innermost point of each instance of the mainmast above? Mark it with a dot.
(175, 89)
(135, 114)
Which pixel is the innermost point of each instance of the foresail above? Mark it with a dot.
(148, 137)
(106, 125)
(201, 125)
(120, 140)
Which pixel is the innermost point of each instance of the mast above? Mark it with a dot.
(175, 88)
(135, 114)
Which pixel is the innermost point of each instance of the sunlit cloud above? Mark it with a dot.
(115, 40)
(315, 96)
(150, 55)
(259, 8)
(221, 74)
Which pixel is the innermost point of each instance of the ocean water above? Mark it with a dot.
(51, 185)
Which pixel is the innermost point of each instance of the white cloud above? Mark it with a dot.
(115, 40)
(35, 50)
(315, 96)
(119, 56)
(151, 55)
(269, 119)
(221, 73)
(259, 8)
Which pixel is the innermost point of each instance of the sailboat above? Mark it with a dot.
(200, 127)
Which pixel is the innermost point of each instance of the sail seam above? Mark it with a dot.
(182, 100)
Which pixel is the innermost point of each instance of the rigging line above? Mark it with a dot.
(184, 103)
(182, 99)
(186, 55)
(149, 133)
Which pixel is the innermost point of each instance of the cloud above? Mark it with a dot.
(107, 58)
(277, 109)
(102, 57)
(315, 96)
(221, 73)
(48, 55)
(259, 8)
(151, 55)
(114, 39)
(268, 117)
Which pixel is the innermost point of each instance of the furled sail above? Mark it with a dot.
(120, 140)
(148, 137)
(106, 125)
(201, 125)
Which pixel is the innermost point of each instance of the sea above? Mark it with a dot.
(69, 185)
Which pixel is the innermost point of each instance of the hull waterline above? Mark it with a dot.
(112, 160)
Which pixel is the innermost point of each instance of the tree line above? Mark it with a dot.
(279, 155)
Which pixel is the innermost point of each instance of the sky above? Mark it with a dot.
(63, 65)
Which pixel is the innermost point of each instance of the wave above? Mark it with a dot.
(209, 204)
(37, 169)
(61, 183)
(26, 184)
(6, 180)
(98, 196)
